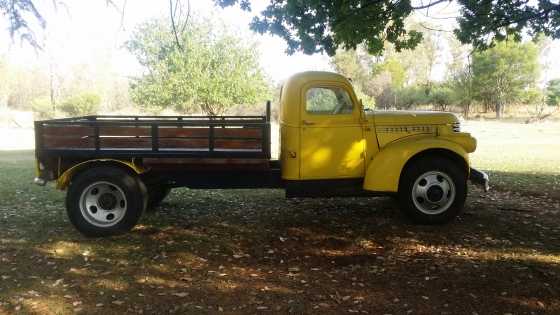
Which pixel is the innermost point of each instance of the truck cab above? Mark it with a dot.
(115, 167)
(326, 135)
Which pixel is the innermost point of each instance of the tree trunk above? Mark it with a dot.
(51, 88)
(466, 110)
(499, 110)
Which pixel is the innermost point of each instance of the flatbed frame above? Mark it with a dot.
(92, 145)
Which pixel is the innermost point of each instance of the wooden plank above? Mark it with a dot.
(65, 130)
(183, 132)
(238, 132)
(61, 142)
(141, 131)
(177, 143)
(237, 144)
(204, 132)
(120, 142)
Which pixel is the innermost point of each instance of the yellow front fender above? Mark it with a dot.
(383, 173)
(64, 178)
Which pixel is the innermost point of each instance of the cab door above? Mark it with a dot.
(332, 143)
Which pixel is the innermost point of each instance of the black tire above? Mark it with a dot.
(156, 194)
(439, 171)
(117, 180)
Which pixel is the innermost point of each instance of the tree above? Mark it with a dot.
(463, 91)
(502, 73)
(17, 12)
(356, 65)
(324, 26)
(4, 87)
(441, 96)
(210, 71)
(395, 69)
(553, 92)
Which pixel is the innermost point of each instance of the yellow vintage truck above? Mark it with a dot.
(116, 167)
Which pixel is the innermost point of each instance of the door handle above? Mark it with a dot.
(308, 123)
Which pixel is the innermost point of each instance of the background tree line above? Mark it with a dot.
(198, 66)
(202, 69)
(505, 75)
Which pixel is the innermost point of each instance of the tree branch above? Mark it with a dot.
(430, 4)
(173, 25)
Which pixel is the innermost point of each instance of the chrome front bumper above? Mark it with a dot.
(480, 178)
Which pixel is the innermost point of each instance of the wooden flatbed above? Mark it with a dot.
(169, 146)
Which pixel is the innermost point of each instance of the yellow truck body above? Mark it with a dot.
(115, 167)
(374, 145)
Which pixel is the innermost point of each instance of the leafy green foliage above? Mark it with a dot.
(532, 95)
(81, 104)
(317, 26)
(503, 72)
(553, 92)
(463, 91)
(394, 67)
(380, 80)
(356, 65)
(324, 26)
(42, 108)
(409, 96)
(482, 22)
(441, 96)
(213, 72)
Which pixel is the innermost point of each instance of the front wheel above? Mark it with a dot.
(105, 201)
(432, 190)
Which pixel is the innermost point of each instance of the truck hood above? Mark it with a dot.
(395, 125)
(398, 117)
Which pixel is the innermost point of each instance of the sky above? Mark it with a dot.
(81, 32)
(87, 30)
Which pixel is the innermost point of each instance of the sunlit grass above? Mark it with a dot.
(519, 157)
(483, 255)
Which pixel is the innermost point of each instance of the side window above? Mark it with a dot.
(328, 100)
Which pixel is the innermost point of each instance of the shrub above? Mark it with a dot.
(81, 104)
(42, 108)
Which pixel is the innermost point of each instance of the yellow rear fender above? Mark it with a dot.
(64, 179)
(384, 171)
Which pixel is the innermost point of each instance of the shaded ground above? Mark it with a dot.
(247, 252)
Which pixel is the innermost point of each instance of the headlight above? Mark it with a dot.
(456, 127)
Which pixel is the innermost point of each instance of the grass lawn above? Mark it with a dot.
(519, 157)
(253, 251)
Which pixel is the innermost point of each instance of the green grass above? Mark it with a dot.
(519, 157)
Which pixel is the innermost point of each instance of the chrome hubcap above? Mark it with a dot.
(433, 192)
(103, 204)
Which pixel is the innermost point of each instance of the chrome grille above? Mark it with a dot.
(456, 127)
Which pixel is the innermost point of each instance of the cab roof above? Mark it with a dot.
(308, 76)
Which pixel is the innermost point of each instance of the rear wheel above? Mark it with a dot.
(104, 201)
(432, 190)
